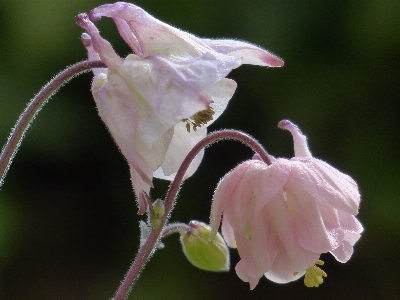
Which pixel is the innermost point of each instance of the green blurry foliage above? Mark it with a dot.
(68, 223)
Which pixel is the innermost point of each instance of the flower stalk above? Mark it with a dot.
(35, 105)
(149, 245)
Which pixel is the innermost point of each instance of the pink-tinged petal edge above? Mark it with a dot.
(250, 54)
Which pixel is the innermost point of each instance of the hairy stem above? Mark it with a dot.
(149, 246)
(177, 227)
(35, 105)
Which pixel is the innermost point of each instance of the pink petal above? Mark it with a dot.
(325, 184)
(126, 33)
(311, 232)
(352, 233)
(272, 180)
(349, 223)
(228, 233)
(343, 252)
(259, 251)
(92, 54)
(142, 201)
(244, 270)
(102, 47)
(248, 193)
(139, 186)
(299, 139)
(291, 257)
(223, 194)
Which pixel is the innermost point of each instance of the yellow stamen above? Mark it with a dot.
(200, 118)
(314, 274)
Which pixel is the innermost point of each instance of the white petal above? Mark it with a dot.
(175, 89)
(249, 53)
(182, 142)
(221, 94)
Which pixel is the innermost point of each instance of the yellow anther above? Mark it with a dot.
(314, 274)
(198, 119)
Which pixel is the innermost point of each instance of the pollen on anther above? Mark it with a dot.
(199, 119)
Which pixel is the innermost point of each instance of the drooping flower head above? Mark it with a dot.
(158, 101)
(282, 216)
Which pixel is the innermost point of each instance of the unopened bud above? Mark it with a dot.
(157, 212)
(203, 254)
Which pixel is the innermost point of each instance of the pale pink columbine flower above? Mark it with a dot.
(158, 101)
(282, 216)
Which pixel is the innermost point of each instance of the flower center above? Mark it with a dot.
(199, 119)
(313, 276)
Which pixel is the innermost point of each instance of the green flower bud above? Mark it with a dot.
(203, 254)
(156, 213)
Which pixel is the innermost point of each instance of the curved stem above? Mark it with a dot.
(177, 227)
(34, 106)
(149, 246)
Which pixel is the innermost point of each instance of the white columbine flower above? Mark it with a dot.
(158, 101)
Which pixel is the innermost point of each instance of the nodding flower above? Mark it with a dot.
(158, 101)
(283, 216)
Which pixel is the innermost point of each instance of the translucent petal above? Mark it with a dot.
(228, 233)
(182, 142)
(175, 89)
(325, 184)
(223, 194)
(310, 229)
(249, 53)
(290, 257)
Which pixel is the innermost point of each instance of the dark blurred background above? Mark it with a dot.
(68, 223)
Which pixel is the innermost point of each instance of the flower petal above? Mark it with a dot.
(299, 139)
(291, 257)
(352, 233)
(228, 233)
(310, 229)
(349, 223)
(223, 194)
(101, 46)
(128, 124)
(221, 94)
(92, 54)
(139, 186)
(245, 268)
(176, 89)
(325, 184)
(249, 53)
(182, 142)
(153, 36)
(343, 252)
(260, 251)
